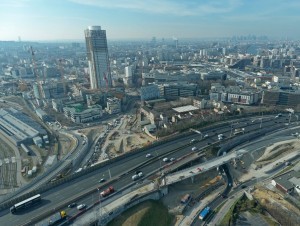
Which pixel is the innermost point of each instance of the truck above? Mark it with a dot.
(203, 214)
(53, 219)
(107, 191)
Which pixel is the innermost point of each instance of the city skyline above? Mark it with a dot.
(47, 20)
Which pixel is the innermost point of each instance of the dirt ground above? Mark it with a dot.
(251, 163)
(278, 150)
(283, 211)
(126, 136)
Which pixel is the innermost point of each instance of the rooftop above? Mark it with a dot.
(186, 108)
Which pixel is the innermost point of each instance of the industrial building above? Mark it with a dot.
(287, 182)
(18, 127)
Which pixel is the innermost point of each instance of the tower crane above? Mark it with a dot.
(32, 52)
(34, 64)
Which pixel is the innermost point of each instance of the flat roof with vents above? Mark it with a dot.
(186, 108)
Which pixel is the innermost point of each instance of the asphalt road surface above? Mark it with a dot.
(71, 189)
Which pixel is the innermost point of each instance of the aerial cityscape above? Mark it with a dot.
(157, 113)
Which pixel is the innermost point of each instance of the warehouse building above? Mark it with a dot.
(18, 127)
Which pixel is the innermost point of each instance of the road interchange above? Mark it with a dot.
(90, 181)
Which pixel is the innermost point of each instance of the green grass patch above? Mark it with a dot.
(242, 205)
(148, 213)
(228, 217)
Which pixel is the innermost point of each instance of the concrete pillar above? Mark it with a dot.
(192, 178)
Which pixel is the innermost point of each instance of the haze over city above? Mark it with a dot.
(158, 112)
(133, 19)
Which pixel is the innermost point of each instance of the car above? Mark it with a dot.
(81, 206)
(192, 141)
(148, 155)
(72, 205)
(165, 159)
(135, 177)
(172, 159)
(244, 186)
(208, 143)
(205, 136)
(102, 180)
(194, 148)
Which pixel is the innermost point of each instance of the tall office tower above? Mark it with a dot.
(97, 53)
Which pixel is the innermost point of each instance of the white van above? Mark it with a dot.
(81, 206)
(135, 177)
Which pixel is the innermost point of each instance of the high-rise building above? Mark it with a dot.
(97, 53)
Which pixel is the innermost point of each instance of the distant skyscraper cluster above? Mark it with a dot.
(97, 53)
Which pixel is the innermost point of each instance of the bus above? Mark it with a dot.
(203, 214)
(25, 203)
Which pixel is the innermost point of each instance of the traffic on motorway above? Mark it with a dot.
(120, 174)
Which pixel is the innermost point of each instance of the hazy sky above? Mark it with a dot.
(123, 19)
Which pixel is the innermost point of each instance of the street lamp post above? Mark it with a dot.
(262, 115)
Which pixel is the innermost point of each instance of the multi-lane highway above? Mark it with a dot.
(66, 192)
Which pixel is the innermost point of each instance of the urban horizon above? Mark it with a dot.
(34, 20)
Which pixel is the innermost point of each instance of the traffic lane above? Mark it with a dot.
(48, 202)
(95, 196)
(59, 193)
(86, 184)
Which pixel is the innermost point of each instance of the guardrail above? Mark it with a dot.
(47, 187)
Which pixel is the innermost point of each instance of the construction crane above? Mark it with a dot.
(32, 52)
(62, 76)
(34, 64)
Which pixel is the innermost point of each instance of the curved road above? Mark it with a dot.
(71, 189)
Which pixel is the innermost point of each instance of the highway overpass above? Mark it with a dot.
(122, 170)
